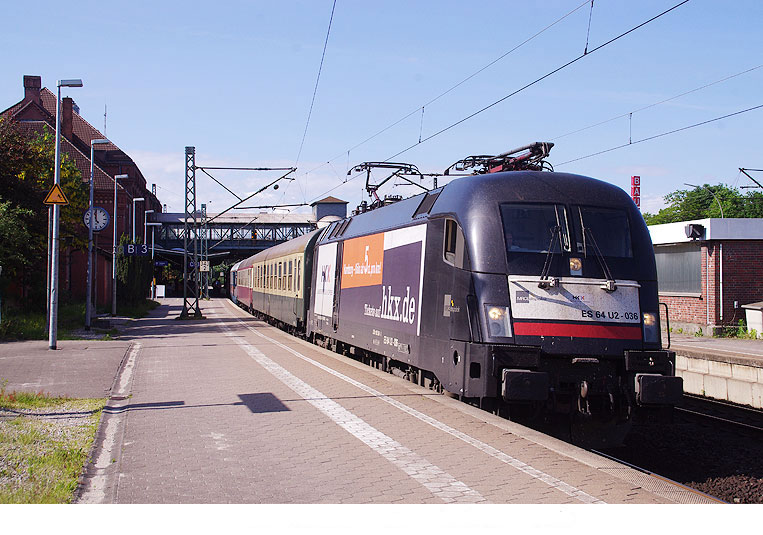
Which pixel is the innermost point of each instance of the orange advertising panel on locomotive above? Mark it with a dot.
(363, 261)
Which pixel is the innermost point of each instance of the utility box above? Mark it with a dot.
(754, 315)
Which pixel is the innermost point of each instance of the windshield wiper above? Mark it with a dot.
(545, 282)
(609, 285)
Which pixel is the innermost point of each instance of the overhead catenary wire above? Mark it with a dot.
(588, 33)
(452, 88)
(537, 80)
(650, 138)
(317, 81)
(654, 104)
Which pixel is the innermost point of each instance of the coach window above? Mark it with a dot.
(291, 280)
(453, 249)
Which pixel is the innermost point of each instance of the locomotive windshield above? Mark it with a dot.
(609, 229)
(534, 228)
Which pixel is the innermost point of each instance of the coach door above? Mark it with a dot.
(337, 285)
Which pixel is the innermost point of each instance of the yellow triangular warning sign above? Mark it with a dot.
(56, 196)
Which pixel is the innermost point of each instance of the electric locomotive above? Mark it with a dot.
(530, 293)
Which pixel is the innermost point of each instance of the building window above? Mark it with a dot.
(679, 268)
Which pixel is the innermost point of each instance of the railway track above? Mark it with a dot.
(712, 447)
(720, 412)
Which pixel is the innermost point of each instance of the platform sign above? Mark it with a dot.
(133, 249)
(636, 190)
(204, 266)
(56, 196)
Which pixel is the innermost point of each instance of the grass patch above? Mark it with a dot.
(44, 444)
(21, 324)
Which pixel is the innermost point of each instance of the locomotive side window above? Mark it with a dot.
(453, 248)
(609, 230)
(533, 228)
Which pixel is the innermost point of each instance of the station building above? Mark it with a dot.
(708, 270)
(36, 113)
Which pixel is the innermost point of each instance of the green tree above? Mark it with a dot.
(700, 203)
(15, 256)
(26, 176)
(134, 275)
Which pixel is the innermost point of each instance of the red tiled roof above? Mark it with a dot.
(80, 127)
(102, 180)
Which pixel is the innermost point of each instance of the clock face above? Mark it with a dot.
(100, 218)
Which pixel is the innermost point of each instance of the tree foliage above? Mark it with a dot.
(706, 202)
(15, 256)
(134, 274)
(26, 176)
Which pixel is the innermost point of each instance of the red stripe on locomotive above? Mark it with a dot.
(577, 330)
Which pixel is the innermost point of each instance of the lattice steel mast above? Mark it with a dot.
(190, 275)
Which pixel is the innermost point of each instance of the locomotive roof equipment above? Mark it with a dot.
(532, 158)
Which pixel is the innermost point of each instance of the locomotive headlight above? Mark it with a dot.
(495, 313)
(498, 321)
(576, 266)
(651, 331)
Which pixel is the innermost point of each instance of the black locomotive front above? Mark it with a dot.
(557, 301)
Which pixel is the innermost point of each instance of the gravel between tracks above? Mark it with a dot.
(722, 463)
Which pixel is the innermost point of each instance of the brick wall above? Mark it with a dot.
(742, 282)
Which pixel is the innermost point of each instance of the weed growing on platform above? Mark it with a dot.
(44, 444)
(740, 331)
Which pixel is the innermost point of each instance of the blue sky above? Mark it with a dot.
(235, 80)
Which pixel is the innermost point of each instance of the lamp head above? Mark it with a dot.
(73, 82)
(136, 199)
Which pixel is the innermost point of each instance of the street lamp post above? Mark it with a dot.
(136, 199)
(53, 327)
(145, 221)
(88, 297)
(711, 193)
(114, 251)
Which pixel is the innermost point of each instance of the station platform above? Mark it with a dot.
(726, 369)
(231, 410)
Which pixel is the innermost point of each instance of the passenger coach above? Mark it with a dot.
(274, 283)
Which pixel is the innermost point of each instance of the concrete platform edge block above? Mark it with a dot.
(740, 392)
(744, 373)
(720, 369)
(697, 365)
(757, 396)
(693, 382)
(716, 387)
